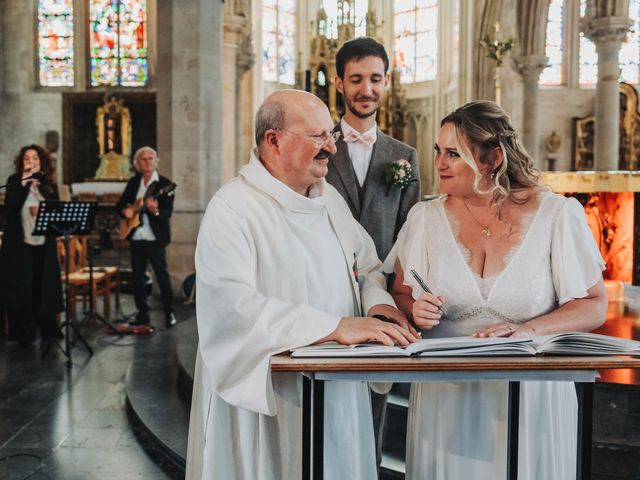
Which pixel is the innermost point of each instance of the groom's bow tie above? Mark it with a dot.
(366, 140)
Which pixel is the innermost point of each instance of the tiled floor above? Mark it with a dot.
(71, 424)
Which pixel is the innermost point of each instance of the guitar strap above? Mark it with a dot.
(151, 189)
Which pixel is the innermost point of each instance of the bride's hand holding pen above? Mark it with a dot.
(427, 309)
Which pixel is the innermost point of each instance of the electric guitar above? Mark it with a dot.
(127, 225)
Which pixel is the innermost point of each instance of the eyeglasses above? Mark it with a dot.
(318, 141)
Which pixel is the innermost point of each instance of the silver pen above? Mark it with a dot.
(425, 288)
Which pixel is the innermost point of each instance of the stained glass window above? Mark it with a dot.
(55, 43)
(416, 39)
(339, 11)
(630, 50)
(118, 42)
(278, 41)
(552, 74)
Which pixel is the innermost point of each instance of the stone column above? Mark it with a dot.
(189, 112)
(529, 61)
(607, 32)
(486, 14)
(244, 99)
(530, 67)
(237, 58)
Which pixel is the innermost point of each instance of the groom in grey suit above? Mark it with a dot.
(364, 153)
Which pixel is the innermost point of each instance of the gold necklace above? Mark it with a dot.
(486, 230)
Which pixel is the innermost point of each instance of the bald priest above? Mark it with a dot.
(281, 263)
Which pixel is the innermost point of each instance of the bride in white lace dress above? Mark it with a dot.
(505, 257)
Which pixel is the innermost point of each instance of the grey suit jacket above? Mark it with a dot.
(381, 211)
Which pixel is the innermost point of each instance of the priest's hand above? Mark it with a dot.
(366, 329)
(393, 315)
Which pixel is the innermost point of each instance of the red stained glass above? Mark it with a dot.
(119, 42)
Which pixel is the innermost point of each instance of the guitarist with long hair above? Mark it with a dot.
(141, 205)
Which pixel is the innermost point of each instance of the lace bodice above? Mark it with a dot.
(556, 260)
(485, 283)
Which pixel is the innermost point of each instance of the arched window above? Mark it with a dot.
(552, 74)
(279, 41)
(416, 39)
(55, 43)
(579, 66)
(628, 56)
(118, 42)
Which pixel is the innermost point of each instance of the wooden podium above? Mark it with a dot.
(583, 371)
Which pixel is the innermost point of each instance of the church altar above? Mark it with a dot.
(99, 188)
(591, 181)
(611, 200)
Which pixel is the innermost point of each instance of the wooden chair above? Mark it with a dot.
(105, 279)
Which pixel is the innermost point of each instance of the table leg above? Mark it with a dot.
(512, 432)
(312, 428)
(585, 430)
(306, 427)
(317, 394)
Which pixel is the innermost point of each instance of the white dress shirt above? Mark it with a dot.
(359, 155)
(144, 231)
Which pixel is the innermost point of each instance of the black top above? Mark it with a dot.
(159, 223)
(16, 267)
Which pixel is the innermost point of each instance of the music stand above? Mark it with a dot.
(66, 218)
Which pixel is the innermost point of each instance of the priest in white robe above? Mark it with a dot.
(281, 263)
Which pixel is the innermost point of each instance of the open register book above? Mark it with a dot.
(574, 343)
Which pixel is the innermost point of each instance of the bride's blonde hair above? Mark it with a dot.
(479, 128)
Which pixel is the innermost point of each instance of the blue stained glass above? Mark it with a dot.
(133, 72)
(552, 74)
(104, 71)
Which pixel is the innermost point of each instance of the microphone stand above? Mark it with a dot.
(35, 176)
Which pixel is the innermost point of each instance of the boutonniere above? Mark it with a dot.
(399, 173)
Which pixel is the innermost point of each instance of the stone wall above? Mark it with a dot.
(26, 113)
(189, 117)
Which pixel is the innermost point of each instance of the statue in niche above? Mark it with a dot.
(552, 146)
(113, 122)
